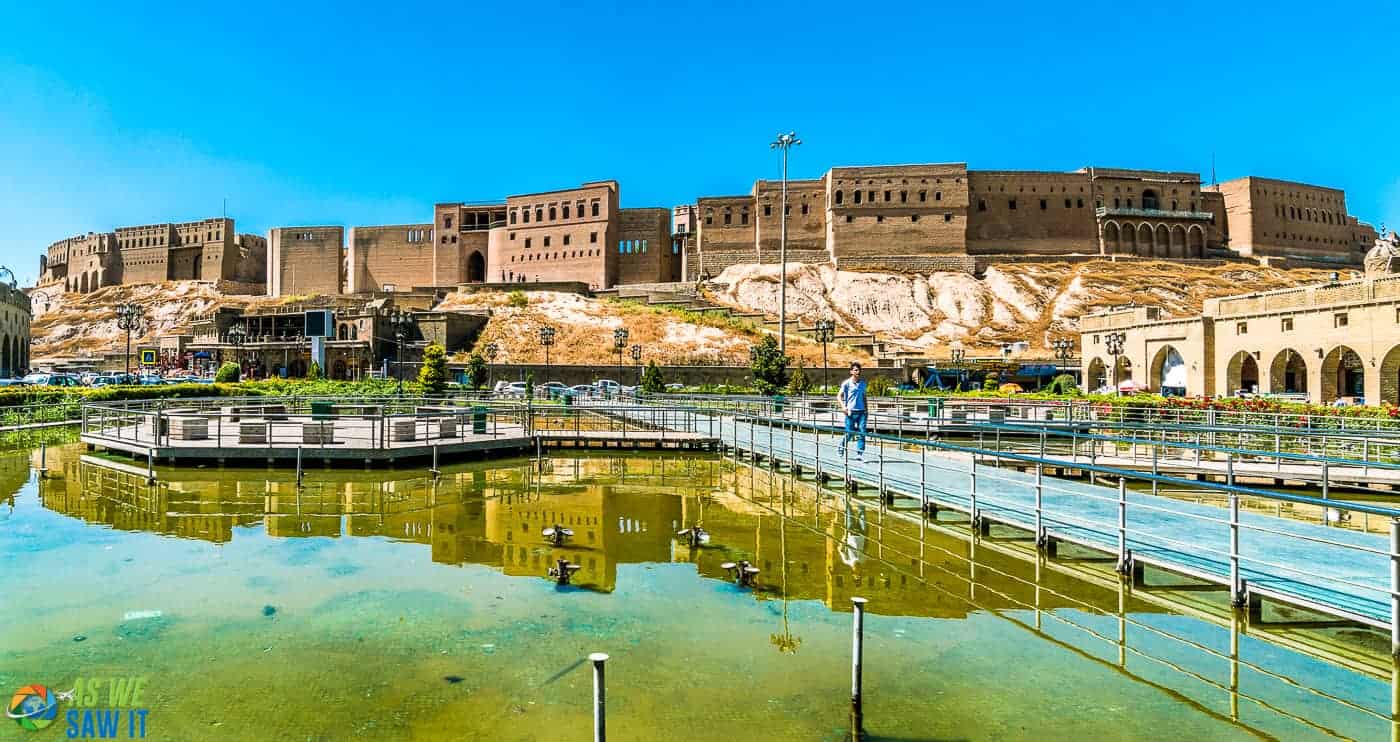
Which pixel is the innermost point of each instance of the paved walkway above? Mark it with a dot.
(1343, 572)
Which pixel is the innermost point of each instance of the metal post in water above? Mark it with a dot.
(1395, 588)
(299, 470)
(1040, 539)
(43, 458)
(1124, 559)
(437, 472)
(599, 716)
(1326, 487)
(150, 466)
(1236, 582)
(857, 650)
(972, 515)
(923, 476)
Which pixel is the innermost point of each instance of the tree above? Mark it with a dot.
(769, 366)
(313, 372)
(799, 383)
(433, 374)
(228, 373)
(989, 384)
(476, 370)
(530, 385)
(652, 383)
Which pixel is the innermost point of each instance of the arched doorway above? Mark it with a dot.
(476, 267)
(1196, 242)
(1343, 375)
(83, 284)
(1110, 238)
(1097, 377)
(5, 369)
(1144, 240)
(1178, 242)
(1160, 242)
(1288, 373)
(1390, 377)
(1242, 375)
(1168, 376)
(1123, 372)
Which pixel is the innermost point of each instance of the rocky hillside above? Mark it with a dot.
(67, 324)
(1034, 302)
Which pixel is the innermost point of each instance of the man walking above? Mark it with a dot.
(851, 397)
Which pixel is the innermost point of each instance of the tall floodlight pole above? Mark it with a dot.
(959, 353)
(637, 361)
(784, 142)
(619, 344)
(1115, 348)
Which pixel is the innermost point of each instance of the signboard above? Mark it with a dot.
(320, 323)
(148, 357)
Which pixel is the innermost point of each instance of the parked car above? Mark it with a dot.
(675, 387)
(501, 387)
(50, 380)
(583, 390)
(113, 379)
(11, 382)
(515, 389)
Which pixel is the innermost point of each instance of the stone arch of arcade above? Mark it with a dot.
(1241, 373)
(1288, 373)
(1153, 239)
(1097, 375)
(1390, 377)
(1343, 374)
(1167, 371)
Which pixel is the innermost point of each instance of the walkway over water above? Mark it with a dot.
(1332, 571)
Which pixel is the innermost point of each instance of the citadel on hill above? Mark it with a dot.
(893, 217)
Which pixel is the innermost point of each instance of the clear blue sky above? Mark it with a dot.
(331, 113)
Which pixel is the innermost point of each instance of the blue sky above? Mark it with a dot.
(299, 113)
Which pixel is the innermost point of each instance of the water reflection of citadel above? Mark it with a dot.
(622, 510)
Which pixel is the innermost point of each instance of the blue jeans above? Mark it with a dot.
(855, 428)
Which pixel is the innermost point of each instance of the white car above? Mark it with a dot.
(515, 389)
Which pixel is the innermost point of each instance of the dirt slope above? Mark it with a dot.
(1034, 302)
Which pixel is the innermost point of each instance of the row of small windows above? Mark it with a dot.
(1306, 215)
(1295, 194)
(869, 196)
(1077, 203)
(567, 255)
(902, 182)
(880, 218)
(417, 235)
(628, 247)
(529, 241)
(553, 211)
(159, 241)
(1308, 238)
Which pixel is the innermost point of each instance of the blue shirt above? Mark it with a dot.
(852, 395)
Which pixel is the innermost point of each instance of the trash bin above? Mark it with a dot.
(322, 410)
(778, 402)
(479, 420)
(567, 397)
(935, 408)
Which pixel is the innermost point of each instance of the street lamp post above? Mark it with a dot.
(401, 322)
(490, 351)
(637, 360)
(619, 344)
(129, 317)
(1114, 341)
(958, 355)
(1062, 348)
(784, 142)
(826, 332)
(546, 340)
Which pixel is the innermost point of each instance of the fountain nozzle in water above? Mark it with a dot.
(563, 571)
(742, 571)
(695, 535)
(556, 534)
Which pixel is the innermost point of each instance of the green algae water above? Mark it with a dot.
(391, 605)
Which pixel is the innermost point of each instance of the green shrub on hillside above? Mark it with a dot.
(228, 373)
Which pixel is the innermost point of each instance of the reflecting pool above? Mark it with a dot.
(392, 605)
